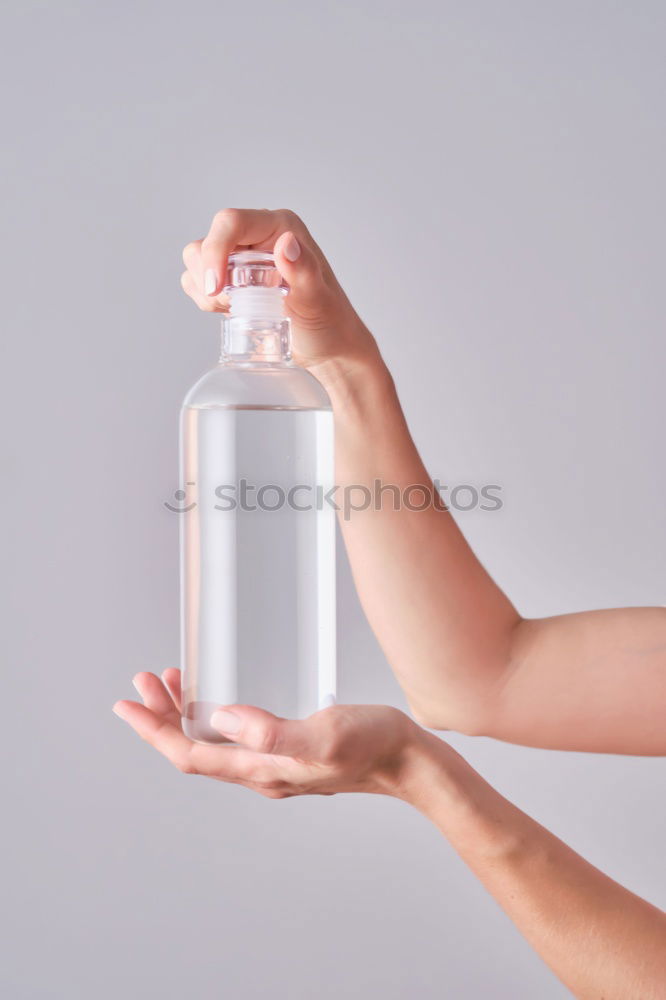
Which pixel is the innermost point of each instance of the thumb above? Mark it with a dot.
(262, 731)
(300, 268)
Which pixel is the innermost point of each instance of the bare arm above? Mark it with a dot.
(462, 653)
(599, 938)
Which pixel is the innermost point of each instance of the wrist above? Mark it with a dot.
(351, 381)
(425, 770)
(479, 823)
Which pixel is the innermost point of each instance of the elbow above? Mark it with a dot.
(470, 699)
(472, 718)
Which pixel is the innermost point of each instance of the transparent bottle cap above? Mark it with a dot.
(253, 269)
(254, 285)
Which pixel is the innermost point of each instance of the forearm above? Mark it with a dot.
(599, 938)
(444, 625)
(464, 657)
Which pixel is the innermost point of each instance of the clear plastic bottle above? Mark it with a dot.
(257, 533)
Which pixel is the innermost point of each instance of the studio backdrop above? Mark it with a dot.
(487, 181)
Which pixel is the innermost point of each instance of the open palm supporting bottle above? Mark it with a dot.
(258, 532)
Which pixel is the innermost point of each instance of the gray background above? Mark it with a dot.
(487, 180)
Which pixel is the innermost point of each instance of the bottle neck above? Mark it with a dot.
(256, 331)
(255, 340)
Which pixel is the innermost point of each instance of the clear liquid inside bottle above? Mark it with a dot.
(257, 534)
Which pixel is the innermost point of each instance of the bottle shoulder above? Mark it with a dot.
(288, 386)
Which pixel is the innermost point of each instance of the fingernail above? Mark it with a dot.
(225, 722)
(292, 249)
(210, 281)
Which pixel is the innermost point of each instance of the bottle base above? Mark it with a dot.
(195, 723)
